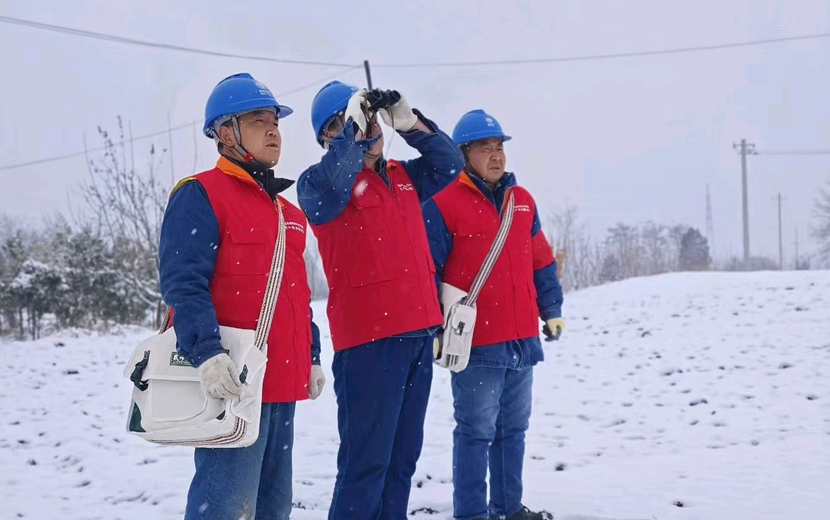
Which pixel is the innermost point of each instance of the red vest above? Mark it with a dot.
(248, 223)
(377, 262)
(506, 308)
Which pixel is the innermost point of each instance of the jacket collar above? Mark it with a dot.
(253, 174)
(496, 196)
(472, 180)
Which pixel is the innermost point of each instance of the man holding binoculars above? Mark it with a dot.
(383, 307)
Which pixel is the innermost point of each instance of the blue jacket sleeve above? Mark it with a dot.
(549, 295)
(548, 292)
(440, 163)
(440, 239)
(187, 256)
(315, 342)
(324, 190)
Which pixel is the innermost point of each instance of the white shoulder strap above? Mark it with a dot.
(272, 288)
(493, 255)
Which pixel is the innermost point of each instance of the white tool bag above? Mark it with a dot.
(169, 405)
(452, 350)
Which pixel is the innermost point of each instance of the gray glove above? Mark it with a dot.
(220, 377)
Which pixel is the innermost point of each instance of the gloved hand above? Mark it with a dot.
(399, 116)
(553, 329)
(220, 377)
(437, 343)
(354, 109)
(316, 382)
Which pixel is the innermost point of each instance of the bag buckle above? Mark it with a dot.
(138, 371)
(459, 329)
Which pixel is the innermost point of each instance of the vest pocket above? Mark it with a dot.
(379, 247)
(250, 253)
(371, 262)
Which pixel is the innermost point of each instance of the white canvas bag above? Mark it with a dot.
(452, 349)
(169, 405)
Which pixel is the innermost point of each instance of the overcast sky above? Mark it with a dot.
(627, 139)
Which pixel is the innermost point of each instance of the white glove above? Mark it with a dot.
(317, 382)
(354, 109)
(399, 116)
(220, 377)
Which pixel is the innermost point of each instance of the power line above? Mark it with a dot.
(99, 149)
(594, 57)
(590, 57)
(160, 132)
(825, 151)
(318, 81)
(154, 45)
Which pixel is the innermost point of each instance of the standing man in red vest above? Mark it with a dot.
(492, 395)
(217, 242)
(383, 306)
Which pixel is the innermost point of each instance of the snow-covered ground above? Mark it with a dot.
(683, 396)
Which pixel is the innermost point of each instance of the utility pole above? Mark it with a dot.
(368, 73)
(710, 227)
(796, 248)
(745, 148)
(780, 243)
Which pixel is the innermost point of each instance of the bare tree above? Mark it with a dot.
(657, 252)
(579, 257)
(676, 234)
(562, 228)
(821, 232)
(126, 206)
(627, 250)
(623, 241)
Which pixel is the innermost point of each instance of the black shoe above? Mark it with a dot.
(526, 514)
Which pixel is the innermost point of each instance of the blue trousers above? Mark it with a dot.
(382, 390)
(247, 483)
(492, 414)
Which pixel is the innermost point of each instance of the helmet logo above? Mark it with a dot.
(263, 90)
(490, 121)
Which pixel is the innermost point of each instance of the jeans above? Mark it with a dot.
(382, 390)
(492, 414)
(251, 482)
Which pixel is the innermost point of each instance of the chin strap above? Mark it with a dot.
(246, 155)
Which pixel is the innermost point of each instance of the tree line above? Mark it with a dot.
(98, 267)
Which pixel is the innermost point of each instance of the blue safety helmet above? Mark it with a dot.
(332, 99)
(475, 125)
(236, 95)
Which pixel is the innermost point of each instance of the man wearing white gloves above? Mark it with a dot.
(217, 244)
(383, 308)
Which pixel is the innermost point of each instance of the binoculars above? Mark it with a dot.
(378, 98)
